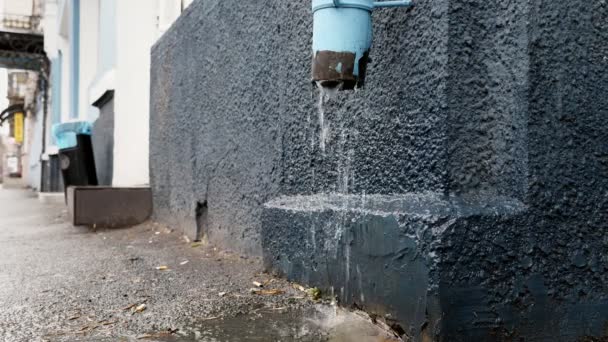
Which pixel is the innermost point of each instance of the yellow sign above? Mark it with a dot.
(18, 128)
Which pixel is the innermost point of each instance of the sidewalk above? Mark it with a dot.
(64, 283)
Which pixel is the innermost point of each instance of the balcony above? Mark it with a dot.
(21, 42)
(19, 23)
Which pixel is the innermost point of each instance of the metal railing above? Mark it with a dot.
(20, 23)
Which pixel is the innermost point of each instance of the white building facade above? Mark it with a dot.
(100, 72)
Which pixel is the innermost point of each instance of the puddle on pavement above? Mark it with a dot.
(319, 324)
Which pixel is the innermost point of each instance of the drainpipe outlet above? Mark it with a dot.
(342, 38)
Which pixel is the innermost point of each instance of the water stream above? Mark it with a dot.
(325, 93)
(344, 153)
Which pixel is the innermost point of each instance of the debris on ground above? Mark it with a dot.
(258, 284)
(183, 262)
(222, 294)
(271, 292)
(109, 294)
(162, 268)
(314, 293)
(131, 306)
(159, 334)
(140, 308)
(298, 287)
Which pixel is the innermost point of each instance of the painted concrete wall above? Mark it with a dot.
(35, 150)
(4, 129)
(107, 36)
(64, 48)
(136, 22)
(109, 61)
(461, 194)
(20, 7)
(89, 38)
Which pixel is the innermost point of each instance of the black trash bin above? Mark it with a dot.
(76, 154)
(77, 163)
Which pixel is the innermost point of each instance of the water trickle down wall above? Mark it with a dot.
(461, 193)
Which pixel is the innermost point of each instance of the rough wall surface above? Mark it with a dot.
(103, 141)
(461, 193)
(246, 128)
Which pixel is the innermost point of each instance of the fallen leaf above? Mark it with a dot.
(258, 284)
(196, 244)
(272, 292)
(140, 308)
(131, 306)
(298, 287)
(314, 293)
(162, 268)
(106, 323)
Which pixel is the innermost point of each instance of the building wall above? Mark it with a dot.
(35, 150)
(243, 128)
(21, 7)
(460, 194)
(89, 44)
(136, 27)
(103, 140)
(64, 47)
(114, 41)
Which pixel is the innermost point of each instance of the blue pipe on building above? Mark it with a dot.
(342, 39)
(75, 59)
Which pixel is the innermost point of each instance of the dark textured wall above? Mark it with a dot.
(103, 139)
(461, 194)
(226, 80)
(246, 127)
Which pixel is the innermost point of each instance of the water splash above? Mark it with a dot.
(321, 323)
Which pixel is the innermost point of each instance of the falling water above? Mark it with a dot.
(343, 154)
(325, 93)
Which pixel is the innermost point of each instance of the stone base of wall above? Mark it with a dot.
(404, 258)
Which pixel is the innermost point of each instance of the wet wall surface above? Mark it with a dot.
(480, 134)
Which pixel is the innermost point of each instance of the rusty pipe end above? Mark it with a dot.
(330, 68)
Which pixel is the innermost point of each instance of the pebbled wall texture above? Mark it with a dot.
(461, 195)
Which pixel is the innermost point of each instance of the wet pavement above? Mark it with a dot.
(65, 283)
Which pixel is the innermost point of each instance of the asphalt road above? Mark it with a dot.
(65, 283)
